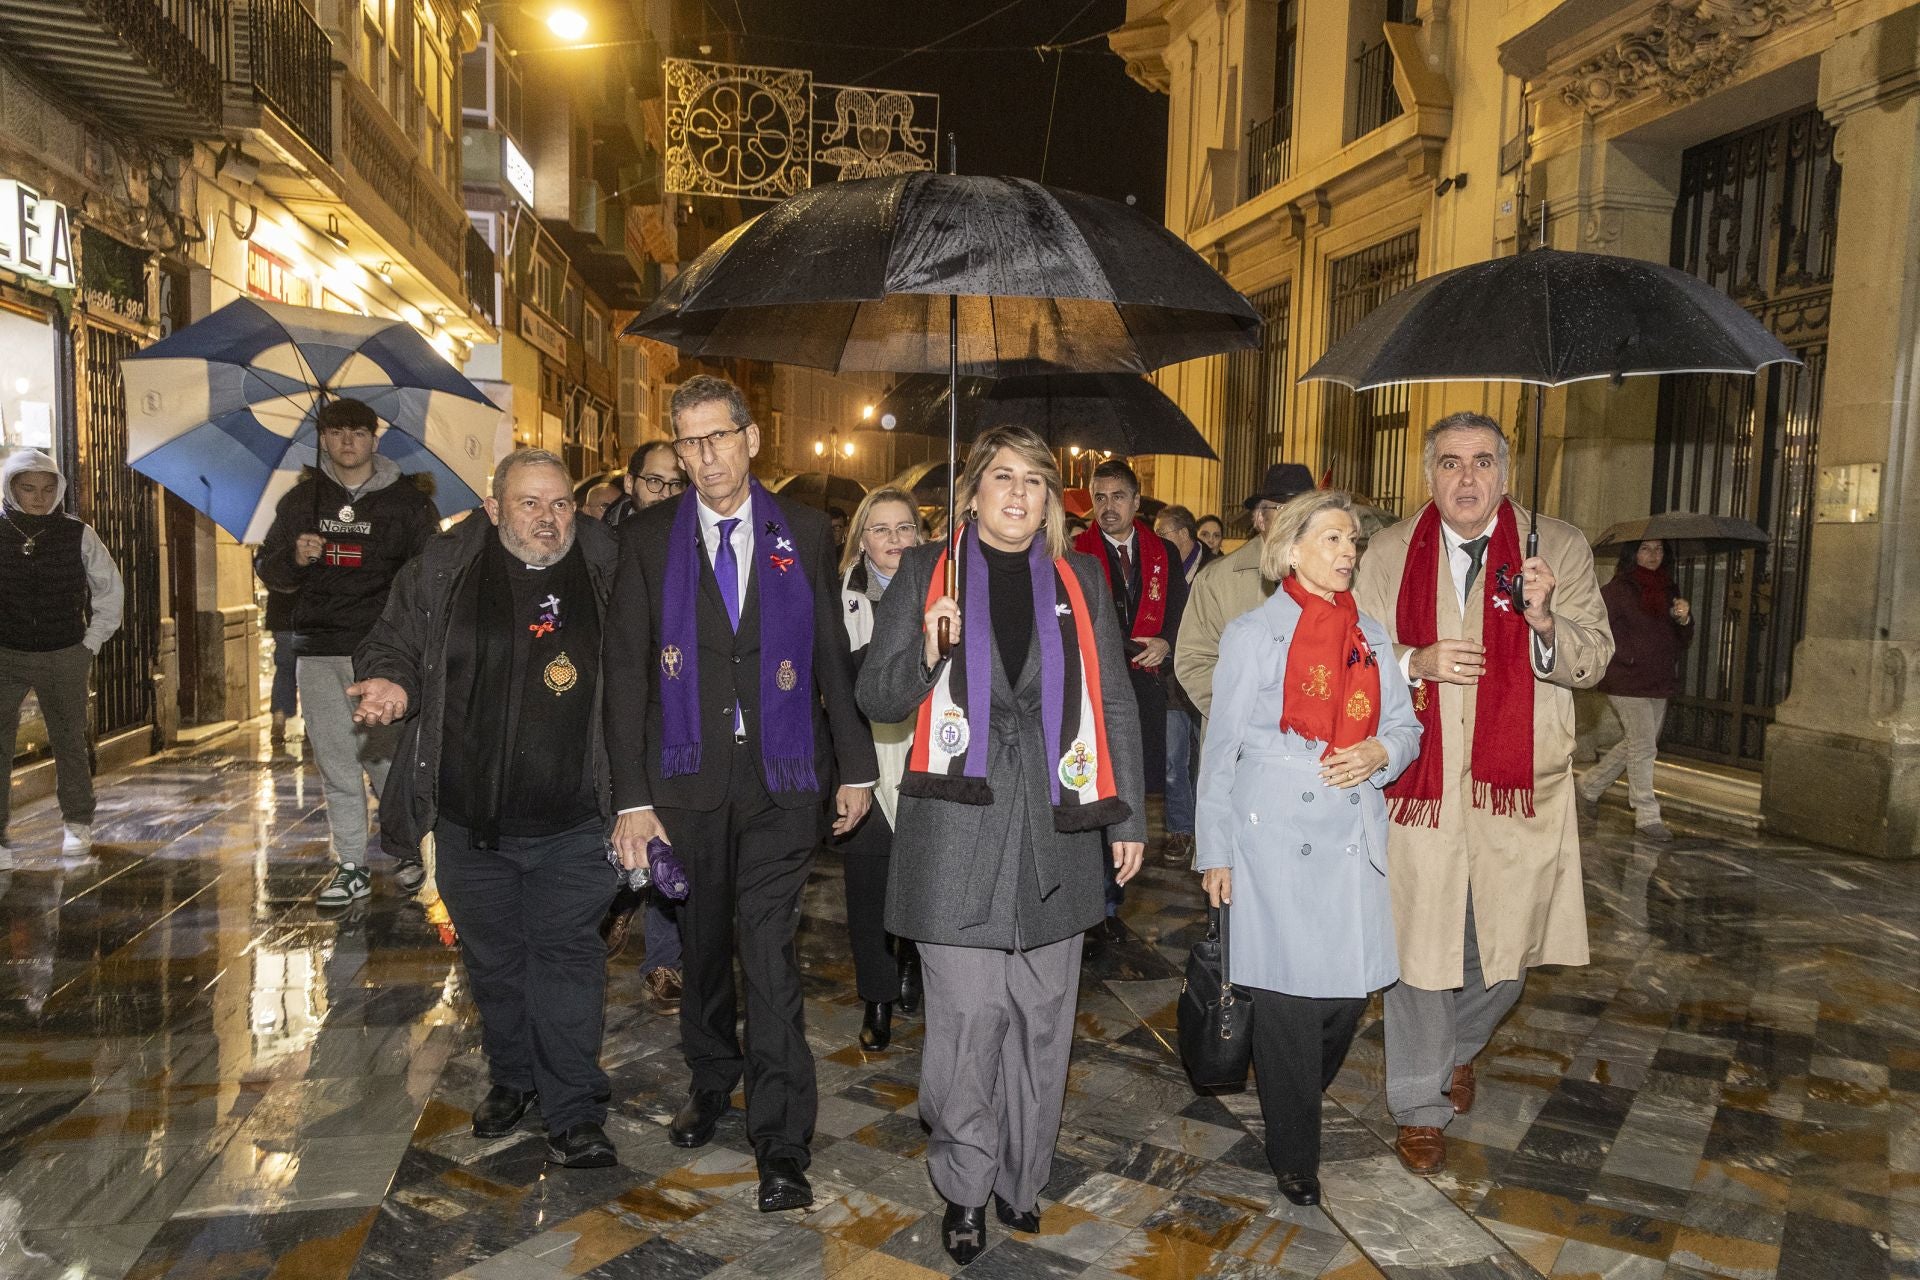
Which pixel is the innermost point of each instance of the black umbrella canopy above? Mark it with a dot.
(1117, 412)
(818, 489)
(1686, 533)
(1550, 317)
(857, 275)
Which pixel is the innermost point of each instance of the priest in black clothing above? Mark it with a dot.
(730, 722)
(490, 651)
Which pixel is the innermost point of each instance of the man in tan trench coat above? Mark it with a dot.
(1480, 895)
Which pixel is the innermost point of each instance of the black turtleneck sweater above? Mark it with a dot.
(1010, 595)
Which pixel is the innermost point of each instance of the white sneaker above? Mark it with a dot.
(78, 838)
(6, 858)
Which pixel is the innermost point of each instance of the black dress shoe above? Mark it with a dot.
(963, 1232)
(500, 1111)
(694, 1123)
(1301, 1188)
(783, 1186)
(1028, 1222)
(583, 1146)
(876, 1029)
(910, 991)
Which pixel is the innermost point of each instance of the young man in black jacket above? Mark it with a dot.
(338, 538)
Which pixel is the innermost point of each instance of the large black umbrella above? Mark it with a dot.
(1112, 412)
(928, 273)
(1549, 317)
(859, 275)
(1686, 533)
(818, 489)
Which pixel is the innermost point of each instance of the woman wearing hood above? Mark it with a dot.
(60, 599)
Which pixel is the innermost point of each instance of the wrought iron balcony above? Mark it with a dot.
(480, 277)
(1377, 100)
(1270, 151)
(155, 66)
(283, 55)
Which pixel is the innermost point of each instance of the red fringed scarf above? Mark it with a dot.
(1155, 566)
(1503, 706)
(1656, 590)
(1333, 677)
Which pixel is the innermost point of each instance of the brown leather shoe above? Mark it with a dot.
(663, 991)
(618, 923)
(1422, 1149)
(1461, 1090)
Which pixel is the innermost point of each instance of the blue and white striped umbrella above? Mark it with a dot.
(222, 412)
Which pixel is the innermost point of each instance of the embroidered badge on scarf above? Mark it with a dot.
(670, 661)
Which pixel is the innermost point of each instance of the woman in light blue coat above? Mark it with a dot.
(1311, 721)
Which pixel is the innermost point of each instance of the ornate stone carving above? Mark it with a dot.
(1682, 52)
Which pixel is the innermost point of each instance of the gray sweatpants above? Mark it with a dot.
(58, 677)
(1429, 1033)
(1633, 755)
(348, 754)
(993, 1073)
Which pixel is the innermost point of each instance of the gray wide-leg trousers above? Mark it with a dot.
(993, 1075)
(1429, 1033)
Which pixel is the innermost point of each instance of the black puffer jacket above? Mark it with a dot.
(337, 601)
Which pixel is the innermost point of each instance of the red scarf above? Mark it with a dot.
(1150, 612)
(1333, 678)
(1656, 590)
(1503, 700)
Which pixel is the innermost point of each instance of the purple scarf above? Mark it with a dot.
(787, 694)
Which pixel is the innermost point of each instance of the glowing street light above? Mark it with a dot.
(567, 24)
(819, 448)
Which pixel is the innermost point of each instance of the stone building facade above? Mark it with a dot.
(1325, 153)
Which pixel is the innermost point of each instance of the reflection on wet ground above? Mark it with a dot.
(203, 1075)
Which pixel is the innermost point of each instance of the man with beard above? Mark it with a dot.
(1149, 595)
(489, 654)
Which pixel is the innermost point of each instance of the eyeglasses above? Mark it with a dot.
(691, 447)
(906, 530)
(657, 486)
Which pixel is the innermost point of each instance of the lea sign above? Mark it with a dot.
(34, 237)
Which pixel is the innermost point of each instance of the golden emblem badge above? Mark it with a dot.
(1420, 696)
(1315, 685)
(1358, 707)
(670, 661)
(1153, 587)
(785, 677)
(560, 675)
(1077, 765)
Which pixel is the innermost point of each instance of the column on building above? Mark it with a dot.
(1843, 754)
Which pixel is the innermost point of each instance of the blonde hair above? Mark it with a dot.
(857, 530)
(1286, 526)
(1033, 451)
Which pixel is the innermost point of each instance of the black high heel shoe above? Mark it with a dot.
(963, 1232)
(1028, 1222)
(876, 1029)
(910, 990)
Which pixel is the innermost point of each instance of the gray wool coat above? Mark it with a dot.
(998, 875)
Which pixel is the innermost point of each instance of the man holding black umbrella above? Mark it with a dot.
(1484, 846)
(338, 539)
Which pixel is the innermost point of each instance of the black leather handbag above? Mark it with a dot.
(1216, 1022)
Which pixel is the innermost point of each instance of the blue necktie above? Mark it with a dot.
(726, 569)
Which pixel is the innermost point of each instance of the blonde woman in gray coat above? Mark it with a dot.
(1311, 721)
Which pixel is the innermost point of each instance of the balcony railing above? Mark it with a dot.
(480, 276)
(154, 66)
(289, 63)
(1270, 151)
(1378, 101)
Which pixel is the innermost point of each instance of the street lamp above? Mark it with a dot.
(567, 23)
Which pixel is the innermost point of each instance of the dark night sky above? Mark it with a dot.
(1109, 134)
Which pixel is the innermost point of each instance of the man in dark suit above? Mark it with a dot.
(730, 712)
(1149, 595)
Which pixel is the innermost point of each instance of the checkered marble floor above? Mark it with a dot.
(203, 1075)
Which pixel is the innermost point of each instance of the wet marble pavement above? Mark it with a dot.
(203, 1075)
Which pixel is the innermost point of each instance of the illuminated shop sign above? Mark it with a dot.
(518, 172)
(34, 238)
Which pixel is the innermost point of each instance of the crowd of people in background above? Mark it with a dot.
(1364, 751)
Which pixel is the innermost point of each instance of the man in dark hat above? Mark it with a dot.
(1229, 587)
